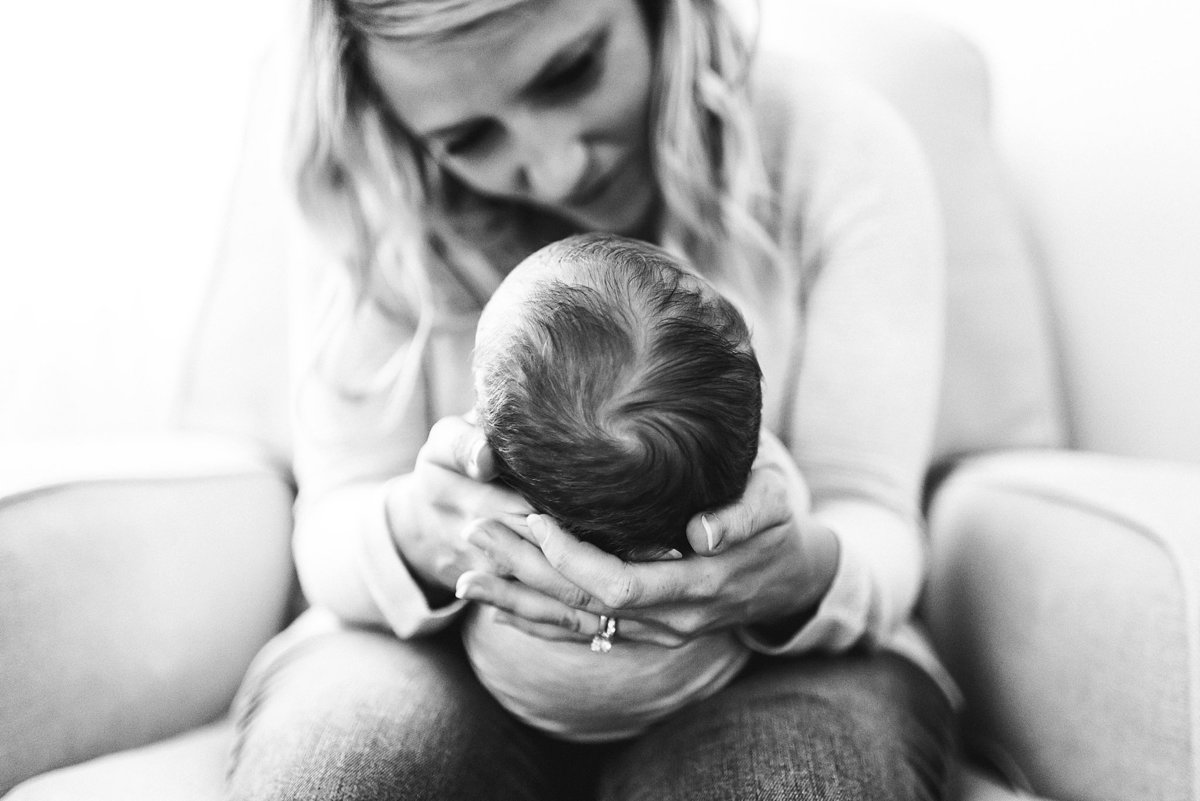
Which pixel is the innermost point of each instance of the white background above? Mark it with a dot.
(120, 122)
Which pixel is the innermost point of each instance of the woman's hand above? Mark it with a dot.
(429, 508)
(760, 560)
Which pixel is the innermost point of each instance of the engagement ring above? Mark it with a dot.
(603, 641)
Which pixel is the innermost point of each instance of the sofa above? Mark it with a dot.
(140, 574)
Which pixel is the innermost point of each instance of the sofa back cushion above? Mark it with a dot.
(1000, 387)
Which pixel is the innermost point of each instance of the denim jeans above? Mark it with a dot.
(357, 714)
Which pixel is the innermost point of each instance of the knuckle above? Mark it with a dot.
(557, 557)
(689, 624)
(578, 599)
(619, 594)
(475, 525)
(498, 565)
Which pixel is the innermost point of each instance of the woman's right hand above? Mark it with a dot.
(450, 486)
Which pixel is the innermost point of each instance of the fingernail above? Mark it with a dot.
(463, 588)
(503, 618)
(713, 539)
(538, 527)
(671, 555)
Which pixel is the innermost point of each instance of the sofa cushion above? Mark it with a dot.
(138, 577)
(1000, 387)
(189, 767)
(1064, 596)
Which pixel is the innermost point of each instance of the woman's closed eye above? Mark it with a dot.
(573, 79)
(471, 140)
(567, 82)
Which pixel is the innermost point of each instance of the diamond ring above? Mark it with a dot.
(603, 641)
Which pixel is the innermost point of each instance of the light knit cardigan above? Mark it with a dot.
(852, 363)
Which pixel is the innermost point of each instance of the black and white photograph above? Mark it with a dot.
(600, 400)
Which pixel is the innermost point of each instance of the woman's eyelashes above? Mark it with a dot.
(574, 80)
(471, 140)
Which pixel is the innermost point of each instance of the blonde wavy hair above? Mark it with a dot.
(403, 226)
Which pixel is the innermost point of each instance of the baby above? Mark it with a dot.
(621, 396)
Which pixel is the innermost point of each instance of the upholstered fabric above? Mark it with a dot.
(1000, 388)
(188, 767)
(1064, 597)
(134, 590)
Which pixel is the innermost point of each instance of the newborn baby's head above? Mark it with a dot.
(620, 395)
(618, 391)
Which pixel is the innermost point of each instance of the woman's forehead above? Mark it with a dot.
(431, 21)
(436, 82)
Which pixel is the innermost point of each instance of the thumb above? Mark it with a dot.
(706, 533)
(764, 504)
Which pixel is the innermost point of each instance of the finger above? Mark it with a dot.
(520, 525)
(611, 583)
(493, 500)
(514, 556)
(456, 444)
(524, 602)
(763, 505)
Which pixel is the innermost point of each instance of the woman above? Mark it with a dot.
(437, 143)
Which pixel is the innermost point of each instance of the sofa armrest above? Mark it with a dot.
(138, 577)
(1063, 596)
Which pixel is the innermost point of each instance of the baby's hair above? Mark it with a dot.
(623, 401)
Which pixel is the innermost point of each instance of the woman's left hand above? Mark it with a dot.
(757, 561)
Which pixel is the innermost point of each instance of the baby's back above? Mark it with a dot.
(566, 689)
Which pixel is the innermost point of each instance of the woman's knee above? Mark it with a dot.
(361, 715)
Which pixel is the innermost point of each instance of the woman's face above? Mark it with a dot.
(547, 105)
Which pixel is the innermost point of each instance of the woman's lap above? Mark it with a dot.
(353, 714)
(361, 715)
(847, 727)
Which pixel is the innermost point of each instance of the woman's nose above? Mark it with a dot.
(553, 173)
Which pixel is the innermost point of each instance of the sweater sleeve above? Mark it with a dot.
(862, 410)
(350, 440)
